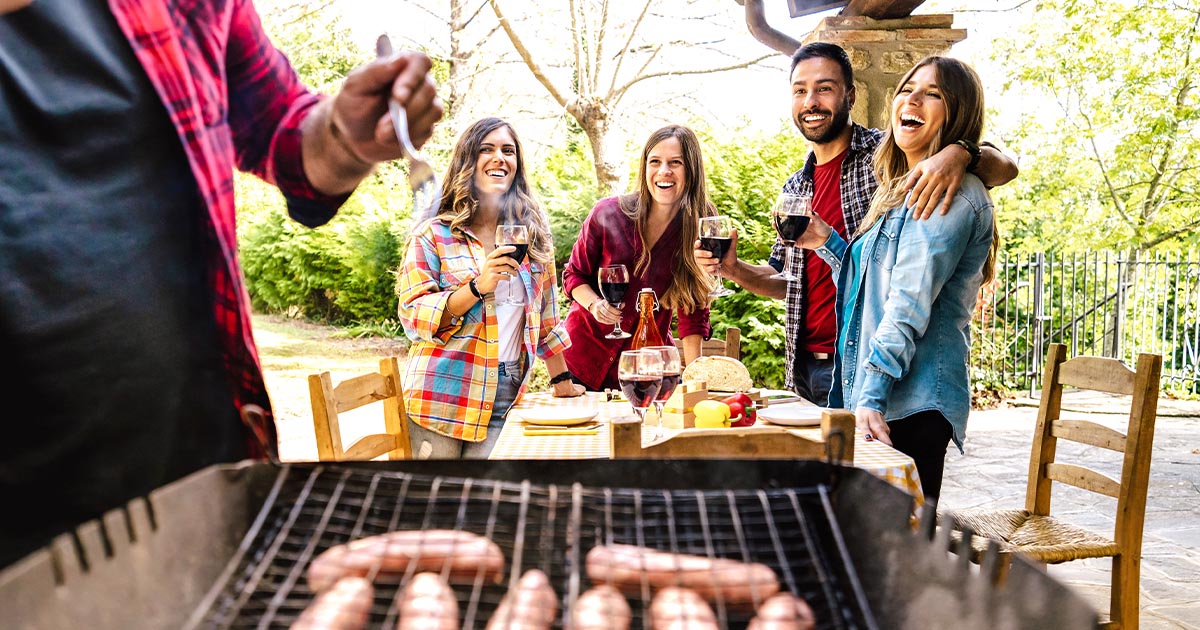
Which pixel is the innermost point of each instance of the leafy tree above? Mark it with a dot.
(1107, 121)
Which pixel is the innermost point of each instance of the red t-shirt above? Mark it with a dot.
(820, 323)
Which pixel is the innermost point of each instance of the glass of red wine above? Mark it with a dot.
(716, 234)
(514, 236)
(790, 217)
(671, 371)
(640, 373)
(614, 283)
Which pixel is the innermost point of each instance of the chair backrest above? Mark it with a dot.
(329, 400)
(730, 346)
(1105, 375)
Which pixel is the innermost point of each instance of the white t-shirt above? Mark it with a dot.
(510, 318)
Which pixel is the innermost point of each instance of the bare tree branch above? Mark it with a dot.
(600, 36)
(624, 49)
(581, 70)
(527, 57)
(474, 15)
(672, 73)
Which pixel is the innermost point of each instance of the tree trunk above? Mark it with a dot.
(592, 116)
(1126, 280)
(456, 56)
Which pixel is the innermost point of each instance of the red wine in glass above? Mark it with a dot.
(519, 254)
(791, 226)
(640, 389)
(614, 292)
(716, 245)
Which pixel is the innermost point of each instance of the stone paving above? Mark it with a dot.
(994, 469)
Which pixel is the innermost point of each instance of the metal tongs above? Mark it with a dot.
(421, 178)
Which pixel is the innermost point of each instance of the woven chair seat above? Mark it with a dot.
(1043, 538)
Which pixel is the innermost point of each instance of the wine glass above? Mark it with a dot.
(715, 237)
(614, 282)
(516, 236)
(671, 370)
(640, 373)
(790, 216)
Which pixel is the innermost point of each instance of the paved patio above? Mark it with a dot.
(994, 469)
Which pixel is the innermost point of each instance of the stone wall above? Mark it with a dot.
(881, 51)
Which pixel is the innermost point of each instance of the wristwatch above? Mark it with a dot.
(975, 152)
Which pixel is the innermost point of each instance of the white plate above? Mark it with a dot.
(792, 414)
(556, 416)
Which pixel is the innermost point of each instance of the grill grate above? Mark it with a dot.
(547, 527)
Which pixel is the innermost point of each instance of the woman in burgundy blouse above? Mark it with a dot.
(650, 232)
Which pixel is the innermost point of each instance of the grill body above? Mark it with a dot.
(226, 547)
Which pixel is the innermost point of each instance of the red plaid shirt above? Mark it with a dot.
(236, 101)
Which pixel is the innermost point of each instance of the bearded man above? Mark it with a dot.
(839, 177)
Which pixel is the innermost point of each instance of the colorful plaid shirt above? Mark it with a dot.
(235, 101)
(858, 185)
(451, 376)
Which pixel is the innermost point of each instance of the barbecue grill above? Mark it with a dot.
(227, 547)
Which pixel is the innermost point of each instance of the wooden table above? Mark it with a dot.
(875, 457)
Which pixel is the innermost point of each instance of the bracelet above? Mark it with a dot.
(564, 376)
(475, 289)
(599, 298)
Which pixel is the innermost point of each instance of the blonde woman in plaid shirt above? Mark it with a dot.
(471, 353)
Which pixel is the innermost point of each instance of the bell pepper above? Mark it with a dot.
(711, 414)
(741, 405)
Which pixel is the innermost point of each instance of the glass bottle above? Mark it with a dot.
(646, 334)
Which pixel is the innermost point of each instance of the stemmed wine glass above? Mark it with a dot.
(516, 236)
(614, 282)
(790, 215)
(715, 237)
(640, 373)
(671, 370)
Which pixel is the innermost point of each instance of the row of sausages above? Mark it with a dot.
(683, 587)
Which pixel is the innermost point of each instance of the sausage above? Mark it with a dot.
(427, 603)
(737, 584)
(784, 611)
(466, 555)
(531, 605)
(343, 607)
(677, 608)
(601, 608)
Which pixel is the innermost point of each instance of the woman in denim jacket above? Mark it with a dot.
(906, 287)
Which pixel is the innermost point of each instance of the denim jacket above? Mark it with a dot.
(909, 329)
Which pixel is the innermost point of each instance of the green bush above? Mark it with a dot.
(745, 174)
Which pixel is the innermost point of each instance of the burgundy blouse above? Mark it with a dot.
(611, 238)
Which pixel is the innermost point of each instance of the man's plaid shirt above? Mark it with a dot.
(235, 102)
(858, 185)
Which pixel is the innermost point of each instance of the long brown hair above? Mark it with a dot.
(689, 284)
(460, 200)
(962, 94)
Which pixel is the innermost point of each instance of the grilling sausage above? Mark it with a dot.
(427, 603)
(531, 605)
(343, 607)
(735, 583)
(676, 608)
(601, 608)
(466, 556)
(783, 611)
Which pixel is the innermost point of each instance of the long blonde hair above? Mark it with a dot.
(689, 284)
(460, 200)
(962, 94)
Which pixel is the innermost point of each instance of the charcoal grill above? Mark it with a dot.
(227, 547)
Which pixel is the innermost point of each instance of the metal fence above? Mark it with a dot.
(1099, 304)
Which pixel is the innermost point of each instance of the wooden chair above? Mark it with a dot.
(1033, 532)
(758, 442)
(730, 346)
(328, 401)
